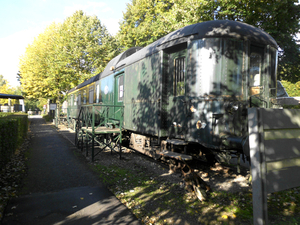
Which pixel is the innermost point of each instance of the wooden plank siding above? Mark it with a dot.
(285, 178)
(281, 142)
(276, 150)
(274, 140)
(280, 118)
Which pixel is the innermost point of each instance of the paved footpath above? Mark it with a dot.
(60, 189)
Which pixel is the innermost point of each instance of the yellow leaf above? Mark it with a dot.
(225, 217)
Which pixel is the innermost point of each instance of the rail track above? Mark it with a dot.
(191, 170)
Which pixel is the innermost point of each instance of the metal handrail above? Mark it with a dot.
(88, 116)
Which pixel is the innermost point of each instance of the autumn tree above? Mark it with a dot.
(84, 43)
(35, 64)
(5, 88)
(2, 80)
(143, 22)
(65, 55)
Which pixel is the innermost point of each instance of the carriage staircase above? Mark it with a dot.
(169, 151)
(99, 127)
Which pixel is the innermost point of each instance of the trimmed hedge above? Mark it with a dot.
(13, 130)
(291, 106)
(48, 118)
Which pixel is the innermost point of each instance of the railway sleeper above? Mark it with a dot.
(177, 161)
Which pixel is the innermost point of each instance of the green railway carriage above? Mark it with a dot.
(191, 87)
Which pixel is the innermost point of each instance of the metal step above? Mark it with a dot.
(175, 155)
(176, 142)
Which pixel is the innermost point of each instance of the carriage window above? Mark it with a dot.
(121, 88)
(79, 98)
(97, 93)
(91, 95)
(179, 87)
(273, 81)
(231, 66)
(84, 97)
(71, 100)
(75, 99)
(255, 79)
(219, 65)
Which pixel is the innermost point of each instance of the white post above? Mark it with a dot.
(21, 102)
(9, 105)
(258, 168)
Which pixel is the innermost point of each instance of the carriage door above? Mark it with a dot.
(176, 94)
(119, 95)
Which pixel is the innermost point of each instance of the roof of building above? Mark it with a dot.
(11, 96)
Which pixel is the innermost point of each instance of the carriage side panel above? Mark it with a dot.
(142, 96)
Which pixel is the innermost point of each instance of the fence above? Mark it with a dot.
(274, 139)
(14, 108)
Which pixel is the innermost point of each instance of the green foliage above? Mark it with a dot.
(291, 106)
(5, 88)
(5, 114)
(2, 80)
(65, 55)
(22, 120)
(8, 135)
(144, 22)
(293, 89)
(35, 103)
(83, 44)
(13, 130)
(48, 118)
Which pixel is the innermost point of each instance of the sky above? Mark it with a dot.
(23, 20)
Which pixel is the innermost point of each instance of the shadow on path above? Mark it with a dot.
(60, 188)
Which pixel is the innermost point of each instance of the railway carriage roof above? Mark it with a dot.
(209, 29)
(113, 62)
(85, 83)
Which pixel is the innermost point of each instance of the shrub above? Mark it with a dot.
(48, 118)
(13, 130)
(293, 89)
